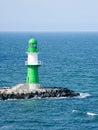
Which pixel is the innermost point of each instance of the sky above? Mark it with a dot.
(49, 15)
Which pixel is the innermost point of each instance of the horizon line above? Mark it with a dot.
(49, 31)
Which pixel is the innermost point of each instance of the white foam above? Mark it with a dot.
(83, 95)
(91, 114)
(74, 111)
(57, 97)
(87, 113)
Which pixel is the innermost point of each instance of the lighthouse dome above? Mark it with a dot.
(32, 45)
(32, 41)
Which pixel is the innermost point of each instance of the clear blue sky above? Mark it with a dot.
(48, 15)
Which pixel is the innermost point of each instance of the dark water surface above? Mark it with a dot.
(69, 60)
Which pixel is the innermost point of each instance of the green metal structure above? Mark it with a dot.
(32, 63)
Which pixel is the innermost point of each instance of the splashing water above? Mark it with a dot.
(91, 114)
(83, 95)
(87, 113)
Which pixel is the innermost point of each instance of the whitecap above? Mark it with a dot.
(87, 113)
(74, 111)
(83, 95)
(91, 114)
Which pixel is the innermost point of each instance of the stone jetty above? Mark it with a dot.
(12, 93)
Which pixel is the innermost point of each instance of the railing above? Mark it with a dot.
(39, 63)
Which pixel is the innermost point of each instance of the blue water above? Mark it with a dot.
(69, 60)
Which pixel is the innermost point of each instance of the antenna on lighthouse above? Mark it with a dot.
(33, 64)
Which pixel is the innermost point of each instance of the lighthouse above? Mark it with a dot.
(33, 64)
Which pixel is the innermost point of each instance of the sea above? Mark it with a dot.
(69, 60)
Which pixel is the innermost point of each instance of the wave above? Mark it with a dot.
(87, 113)
(91, 114)
(84, 95)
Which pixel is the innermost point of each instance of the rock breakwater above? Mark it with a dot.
(9, 93)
